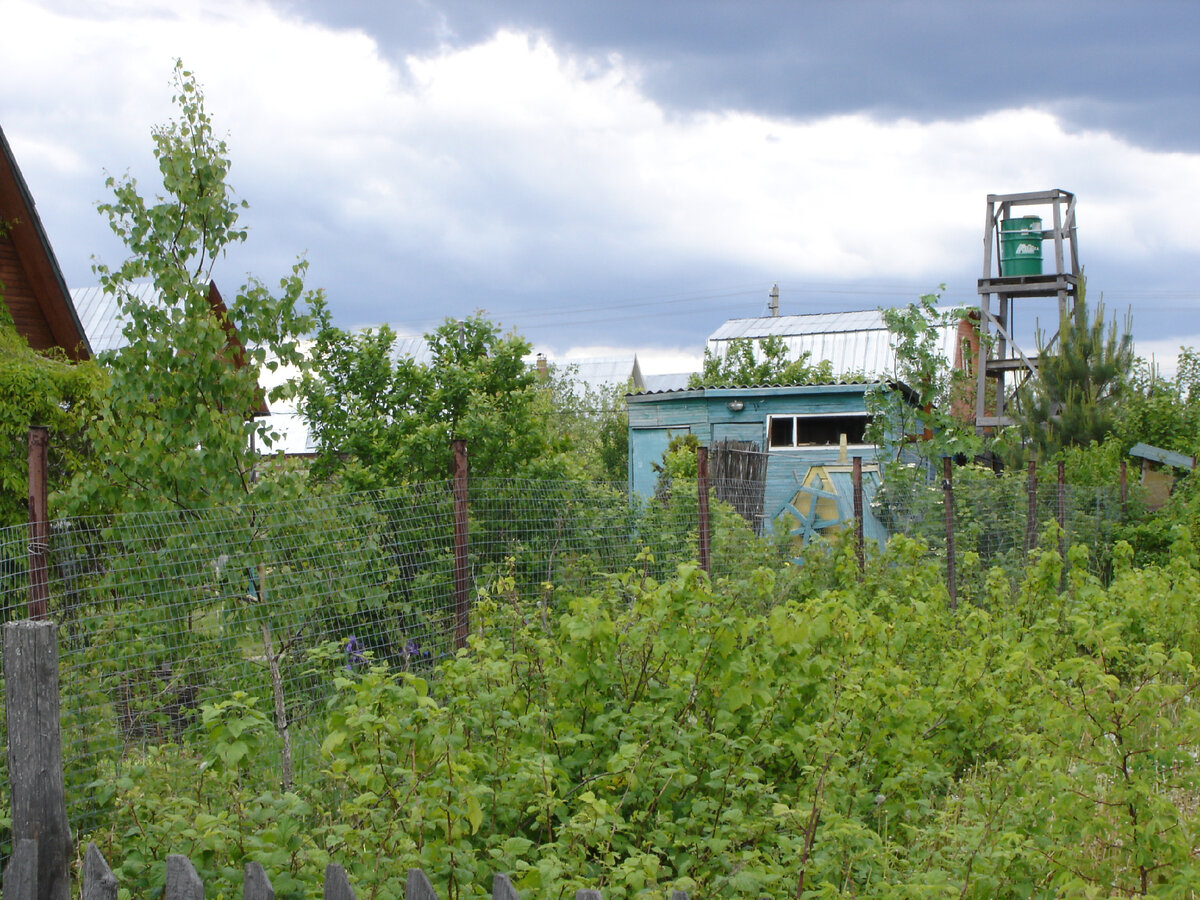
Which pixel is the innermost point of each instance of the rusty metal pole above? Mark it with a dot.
(462, 601)
(1031, 515)
(858, 513)
(39, 524)
(948, 500)
(1124, 489)
(702, 500)
(1062, 524)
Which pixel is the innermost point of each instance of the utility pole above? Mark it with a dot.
(773, 303)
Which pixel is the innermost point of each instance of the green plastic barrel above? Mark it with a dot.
(1021, 246)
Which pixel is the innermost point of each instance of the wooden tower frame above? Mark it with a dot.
(999, 354)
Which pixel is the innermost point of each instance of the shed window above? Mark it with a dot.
(815, 431)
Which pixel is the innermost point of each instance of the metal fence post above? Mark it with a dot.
(1031, 516)
(948, 501)
(1124, 489)
(39, 524)
(462, 600)
(702, 501)
(1062, 523)
(856, 474)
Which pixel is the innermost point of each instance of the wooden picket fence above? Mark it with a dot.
(182, 882)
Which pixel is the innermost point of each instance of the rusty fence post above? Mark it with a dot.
(948, 502)
(1031, 515)
(702, 502)
(1124, 490)
(462, 600)
(39, 524)
(856, 473)
(1062, 522)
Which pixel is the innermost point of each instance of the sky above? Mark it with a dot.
(616, 177)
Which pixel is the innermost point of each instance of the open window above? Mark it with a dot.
(791, 432)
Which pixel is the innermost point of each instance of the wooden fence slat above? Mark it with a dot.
(99, 883)
(502, 889)
(35, 772)
(20, 875)
(679, 895)
(417, 887)
(589, 894)
(255, 883)
(337, 885)
(182, 881)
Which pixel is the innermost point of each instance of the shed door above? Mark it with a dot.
(646, 447)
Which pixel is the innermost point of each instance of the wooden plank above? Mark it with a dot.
(588, 894)
(679, 895)
(39, 806)
(502, 889)
(255, 883)
(417, 886)
(99, 883)
(1058, 236)
(20, 875)
(182, 881)
(1028, 196)
(337, 885)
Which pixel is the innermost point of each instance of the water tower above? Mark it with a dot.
(1016, 268)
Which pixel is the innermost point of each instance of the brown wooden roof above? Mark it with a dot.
(30, 281)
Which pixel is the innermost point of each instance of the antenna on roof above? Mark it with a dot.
(773, 302)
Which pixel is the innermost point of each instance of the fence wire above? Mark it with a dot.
(160, 613)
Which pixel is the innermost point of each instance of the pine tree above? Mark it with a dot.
(1073, 399)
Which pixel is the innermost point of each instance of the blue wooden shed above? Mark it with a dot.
(809, 434)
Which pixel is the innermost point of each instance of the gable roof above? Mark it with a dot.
(33, 287)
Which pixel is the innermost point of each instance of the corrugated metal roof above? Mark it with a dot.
(101, 317)
(804, 388)
(1159, 455)
(657, 384)
(853, 342)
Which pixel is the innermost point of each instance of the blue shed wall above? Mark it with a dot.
(654, 418)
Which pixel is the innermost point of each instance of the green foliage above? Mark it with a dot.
(382, 420)
(1161, 412)
(798, 732)
(923, 416)
(41, 389)
(749, 362)
(175, 426)
(1075, 397)
(592, 424)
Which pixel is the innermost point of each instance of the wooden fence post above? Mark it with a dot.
(588, 894)
(462, 600)
(948, 503)
(255, 883)
(35, 772)
(182, 881)
(1031, 513)
(417, 887)
(20, 875)
(39, 524)
(502, 889)
(856, 474)
(337, 885)
(99, 883)
(702, 501)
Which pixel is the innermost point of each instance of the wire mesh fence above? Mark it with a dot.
(160, 613)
